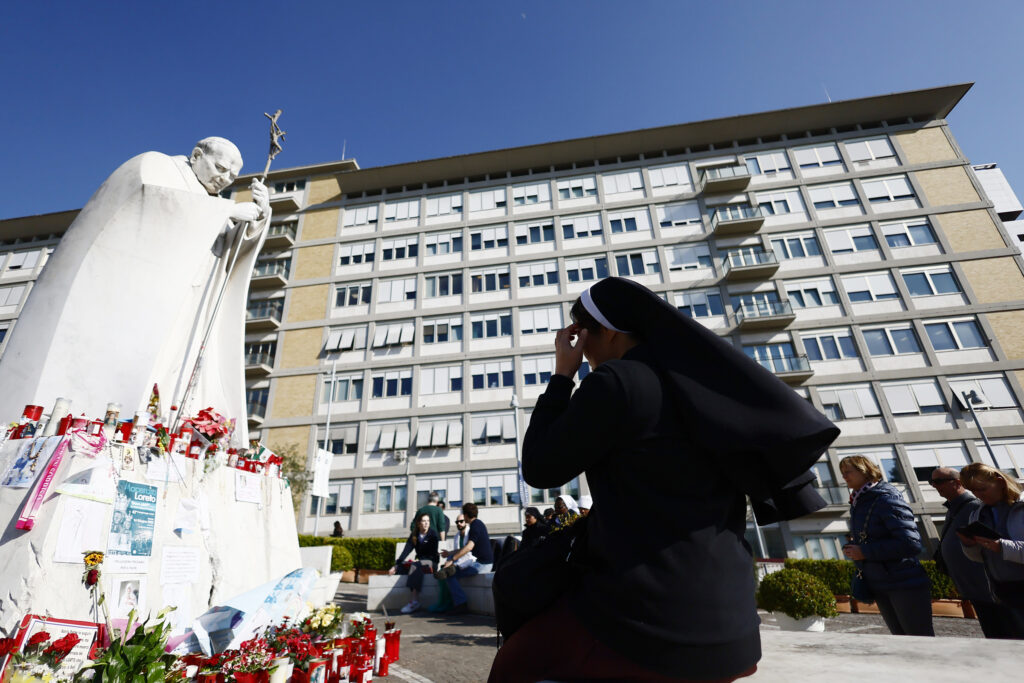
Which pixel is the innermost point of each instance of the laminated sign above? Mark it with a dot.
(130, 543)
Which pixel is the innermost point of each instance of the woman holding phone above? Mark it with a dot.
(1002, 512)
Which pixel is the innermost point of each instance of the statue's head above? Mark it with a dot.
(216, 163)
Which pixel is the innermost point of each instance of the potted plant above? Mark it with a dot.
(253, 663)
(799, 601)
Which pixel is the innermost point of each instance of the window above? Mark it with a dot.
(912, 233)
(352, 295)
(343, 441)
(586, 269)
(490, 280)
(537, 320)
(339, 502)
(931, 281)
(629, 221)
(870, 287)
(264, 308)
(1009, 456)
(891, 341)
(677, 215)
(829, 345)
(756, 304)
(393, 334)
(402, 210)
(811, 293)
(442, 243)
(441, 330)
(289, 186)
(769, 164)
(833, 196)
(449, 488)
(346, 388)
(438, 434)
(23, 260)
(352, 254)
(780, 202)
(819, 547)
(637, 263)
(260, 352)
(391, 383)
(402, 247)
(490, 325)
(700, 304)
(871, 149)
(535, 233)
(537, 274)
(391, 291)
(798, 245)
(894, 188)
(445, 205)
(672, 175)
(619, 183)
(577, 188)
(440, 380)
(3, 332)
(384, 496)
(256, 401)
(486, 200)
(992, 390)
(496, 488)
(581, 226)
(493, 428)
(682, 257)
(848, 402)
(360, 215)
(775, 357)
(272, 265)
(493, 375)
(914, 398)
(533, 193)
(850, 239)
(442, 284)
(952, 335)
(818, 156)
(488, 238)
(538, 370)
(924, 459)
(11, 296)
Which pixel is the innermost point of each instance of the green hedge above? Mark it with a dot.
(797, 594)
(341, 558)
(364, 553)
(836, 574)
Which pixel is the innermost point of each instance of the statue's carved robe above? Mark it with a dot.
(124, 301)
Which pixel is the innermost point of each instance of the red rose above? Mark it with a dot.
(92, 577)
(8, 646)
(38, 638)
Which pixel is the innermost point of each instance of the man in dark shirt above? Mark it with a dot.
(475, 557)
(437, 516)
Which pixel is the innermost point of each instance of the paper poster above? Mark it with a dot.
(94, 483)
(186, 518)
(130, 542)
(321, 473)
(179, 596)
(169, 468)
(32, 459)
(83, 527)
(126, 593)
(247, 487)
(179, 564)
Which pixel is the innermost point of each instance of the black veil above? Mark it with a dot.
(760, 433)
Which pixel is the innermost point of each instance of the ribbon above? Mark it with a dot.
(27, 519)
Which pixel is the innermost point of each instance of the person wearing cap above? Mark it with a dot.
(534, 527)
(585, 503)
(673, 415)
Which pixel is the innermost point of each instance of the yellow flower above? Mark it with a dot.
(94, 558)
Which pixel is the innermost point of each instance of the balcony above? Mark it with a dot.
(790, 369)
(733, 178)
(258, 364)
(280, 235)
(834, 495)
(256, 412)
(749, 264)
(267, 275)
(764, 315)
(737, 219)
(263, 315)
(286, 202)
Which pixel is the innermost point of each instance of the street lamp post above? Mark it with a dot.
(327, 439)
(970, 398)
(519, 465)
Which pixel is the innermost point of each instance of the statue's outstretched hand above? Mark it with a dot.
(245, 211)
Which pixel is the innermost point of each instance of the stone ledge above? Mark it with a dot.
(389, 592)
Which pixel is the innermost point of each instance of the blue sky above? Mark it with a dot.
(88, 85)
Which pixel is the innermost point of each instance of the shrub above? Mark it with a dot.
(341, 558)
(835, 574)
(372, 553)
(796, 594)
(943, 587)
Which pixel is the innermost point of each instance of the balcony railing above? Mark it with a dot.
(834, 495)
(263, 309)
(280, 235)
(256, 410)
(784, 365)
(259, 359)
(736, 218)
(271, 268)
(749, 258)
(760, 310)
(724, 178)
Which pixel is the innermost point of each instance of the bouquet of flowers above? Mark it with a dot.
(324, 622)
(253, 655)
(358, 621)
(37, 657)
(212, 424)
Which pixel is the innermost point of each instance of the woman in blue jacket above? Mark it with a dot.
(884, 545)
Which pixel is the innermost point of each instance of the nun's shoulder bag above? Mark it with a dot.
(531, 579)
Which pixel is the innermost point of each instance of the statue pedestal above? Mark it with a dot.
(234, 545)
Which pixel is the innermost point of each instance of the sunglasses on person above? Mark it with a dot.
(936, 482)
(460, 521)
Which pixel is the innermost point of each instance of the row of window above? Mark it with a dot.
(773, 165)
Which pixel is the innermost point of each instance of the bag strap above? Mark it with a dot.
(863, 536)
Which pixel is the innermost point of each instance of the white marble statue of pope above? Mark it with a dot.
(126, 298)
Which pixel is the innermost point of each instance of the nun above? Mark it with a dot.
(675, 419)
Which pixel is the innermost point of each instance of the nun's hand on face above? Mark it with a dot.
(568, 357)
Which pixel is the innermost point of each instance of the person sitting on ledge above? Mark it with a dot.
(424, 541)
(478, 543)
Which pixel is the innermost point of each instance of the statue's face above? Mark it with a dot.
(216, 169)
